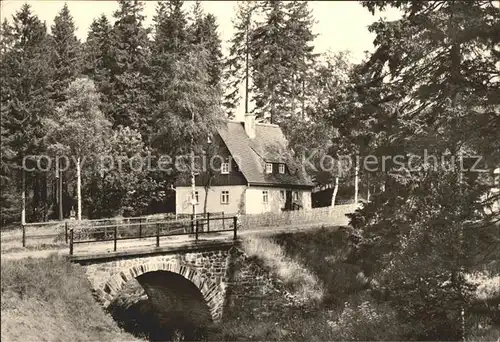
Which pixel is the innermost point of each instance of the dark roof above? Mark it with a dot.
(251, 155)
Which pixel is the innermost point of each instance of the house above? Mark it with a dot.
(251, 173)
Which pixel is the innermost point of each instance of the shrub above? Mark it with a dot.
(367, 322)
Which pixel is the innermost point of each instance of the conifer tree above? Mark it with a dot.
(25, 99)
(66, 56)
(130, 74)
(169, 44)
(97, 59)
(9, 199)
(429, 89)
(191, 109)
(170, 22)
(237, 66)
(301, 56)
(203, 30)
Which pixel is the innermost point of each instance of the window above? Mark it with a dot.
(269, 168)
(282, 195)
(295, 196)
(224, 197)
(282, 168)
(224, 168)
(265, 196)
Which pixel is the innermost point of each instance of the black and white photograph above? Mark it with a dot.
(250, 170)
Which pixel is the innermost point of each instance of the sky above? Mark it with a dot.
(341, 25)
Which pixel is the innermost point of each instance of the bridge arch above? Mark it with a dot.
(212, 291)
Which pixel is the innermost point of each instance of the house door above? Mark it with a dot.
(288, 200)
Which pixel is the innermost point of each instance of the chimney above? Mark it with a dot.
(250, 125)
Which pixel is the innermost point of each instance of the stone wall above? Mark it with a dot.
(327, 215)
(251, 290)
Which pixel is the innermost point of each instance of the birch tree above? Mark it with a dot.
(78, 129)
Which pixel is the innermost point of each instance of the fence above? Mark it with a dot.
(58, 231)
(115, 233)
(334, 216)
(39, 233)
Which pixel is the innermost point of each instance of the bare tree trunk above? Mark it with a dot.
(335, 190)
(336, 187)
(205, 201)
(356, 181)
(303, 100)
(60, 194)
(23, 198)
(368, 191)
(193, 180)
(207, 188)
(247, 54)
(45, 197)
(79, 188)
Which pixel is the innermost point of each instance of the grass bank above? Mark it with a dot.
(50, 300)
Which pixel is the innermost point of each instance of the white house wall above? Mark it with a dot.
(305, 197)
(255, 204)
(241, 199)
(183, 199)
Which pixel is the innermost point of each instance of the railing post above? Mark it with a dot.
(196, 231)
(24, 235)
(157, 235)
(71, 241)
(192, 223)
(223, 222)
(208, 222)
(140, 228)
(235, 222)
(66, 231)
(115, 233)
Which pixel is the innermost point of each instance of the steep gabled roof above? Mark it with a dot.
(251, 155)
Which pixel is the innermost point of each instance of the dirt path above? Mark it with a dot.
(33, 254)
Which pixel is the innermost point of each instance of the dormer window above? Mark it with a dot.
(269, 167)
(282, 168)
(224, 168)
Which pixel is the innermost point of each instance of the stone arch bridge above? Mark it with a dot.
(204, 282)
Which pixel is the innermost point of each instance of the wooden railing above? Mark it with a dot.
(58, 231)
(44, 231)
(118, 232)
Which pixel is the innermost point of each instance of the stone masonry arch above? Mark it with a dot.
(205, 270)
